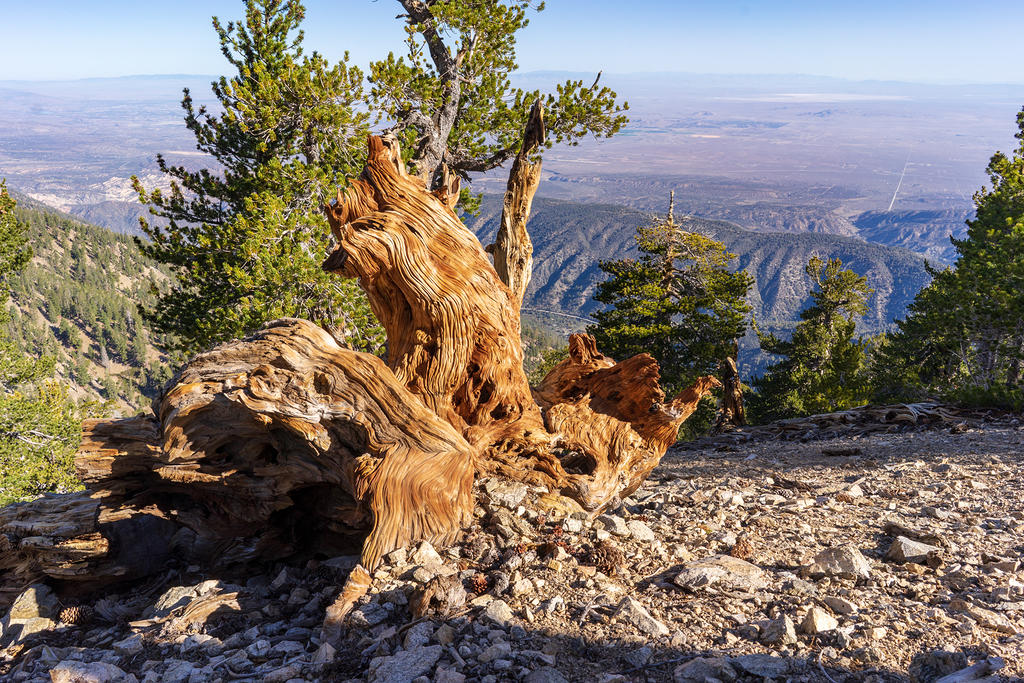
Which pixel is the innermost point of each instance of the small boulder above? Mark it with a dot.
(840, 605)
(404, 666)
(448, 676)
(500, 650)
(498, 612)
(615, 525)
(89, 672)
(844, 561)
(505, 493)
(818, 621)
(779, 631)
(35, 602)
(729, 571)
(426, 556)
(640, 531)
(927, 667)
(633, 612)
(764, 666)
(545, 674)
(368, 615)
(703, 669)
(418, 635)
(132, 645)
(904, 549)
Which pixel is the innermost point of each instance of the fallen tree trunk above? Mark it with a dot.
(287, 445)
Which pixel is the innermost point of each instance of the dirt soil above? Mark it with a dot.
(539, 592)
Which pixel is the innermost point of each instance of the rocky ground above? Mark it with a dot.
(885, 557)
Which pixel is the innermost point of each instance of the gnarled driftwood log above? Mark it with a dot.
(285, 444)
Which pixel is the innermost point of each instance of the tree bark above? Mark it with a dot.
(512, 248)
(731, 413)
(287, 445)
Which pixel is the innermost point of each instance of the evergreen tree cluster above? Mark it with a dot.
(963, 338)
(245, 241)
(679, 302)
(822, 368)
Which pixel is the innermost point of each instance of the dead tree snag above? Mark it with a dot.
(285, 444)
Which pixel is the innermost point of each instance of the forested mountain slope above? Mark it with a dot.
(569, 240)
(78, 301)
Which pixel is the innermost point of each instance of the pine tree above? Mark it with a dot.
(451, 99)
(246, 240)
(822, 368)
(678, 302)
(39, 425)
(963, 338)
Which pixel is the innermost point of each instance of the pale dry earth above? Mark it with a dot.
(520, 599)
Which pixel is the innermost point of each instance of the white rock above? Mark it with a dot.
(89, 672)
(498, 612)
(132, 645)
(904, 549)
(259, 649)
(704, 669)
(426, 555)
(418, 636)
(876, 632)
(614, 524)
(35, 602)
(640, 531)
(177, 671)
(497, 651)
(282, 674)
(448, 676)
(633, 612)
(843, 561)
(287, 648)
(840, 605)
(505, 493)
(723, 569)
(572, 525)
(818, 621)
(779, 631)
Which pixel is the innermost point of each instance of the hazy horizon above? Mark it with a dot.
(605, 74)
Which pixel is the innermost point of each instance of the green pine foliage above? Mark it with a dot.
(822, 368)
(679, 302)
(40, 426)
(245, 241)
(450, 99)
(963, 337)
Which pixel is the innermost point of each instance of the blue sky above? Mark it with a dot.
(936, 40)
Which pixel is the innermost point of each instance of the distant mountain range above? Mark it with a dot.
(570, 239)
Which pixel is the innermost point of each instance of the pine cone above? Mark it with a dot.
(76, 615)
(607, 558)
(478, 583)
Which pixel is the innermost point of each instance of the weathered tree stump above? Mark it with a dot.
(286, 444)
